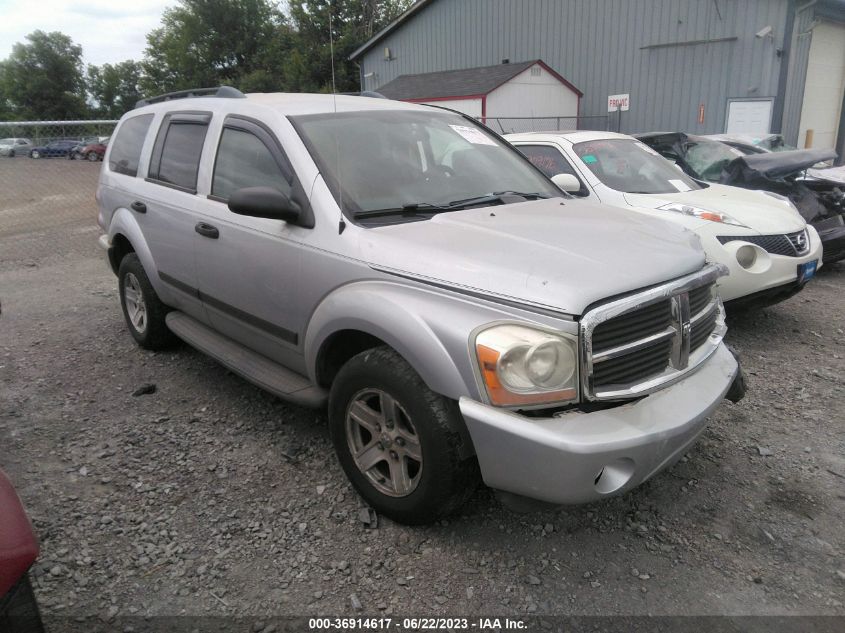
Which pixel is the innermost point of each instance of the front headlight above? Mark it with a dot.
(521, 365)
(703, 214)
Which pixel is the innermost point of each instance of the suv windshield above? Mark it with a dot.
(407, 159)
(628, 165)
(7, 141)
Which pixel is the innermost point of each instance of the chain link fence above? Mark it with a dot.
(510, 125)
(47, 205)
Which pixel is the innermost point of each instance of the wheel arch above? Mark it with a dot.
(126, 237)
(362, 315)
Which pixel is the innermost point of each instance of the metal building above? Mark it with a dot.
(701, 66)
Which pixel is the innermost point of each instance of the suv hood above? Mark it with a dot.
(756, 210)
(561, 254)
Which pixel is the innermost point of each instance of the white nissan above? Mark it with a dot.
(769, 249)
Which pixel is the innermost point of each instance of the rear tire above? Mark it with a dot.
(401, 445)
(92, 156)
(143, 310)
(35, 154)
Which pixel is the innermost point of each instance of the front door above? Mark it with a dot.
(249, 268)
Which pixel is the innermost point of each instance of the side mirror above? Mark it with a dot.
(264, 202)
(567, 182)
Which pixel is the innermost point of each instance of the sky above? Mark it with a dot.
(109, 31)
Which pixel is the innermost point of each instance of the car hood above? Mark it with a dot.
(756, 210)
(561, 254)
(773, 165)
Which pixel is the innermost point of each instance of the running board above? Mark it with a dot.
(254, 367)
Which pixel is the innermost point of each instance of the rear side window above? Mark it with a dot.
(244, 160)
(126, 148)
(547, 159)
(176, 156)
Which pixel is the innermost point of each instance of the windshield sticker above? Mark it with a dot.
(589, 159)
(680, 185)
(646, 148)
(473, 135)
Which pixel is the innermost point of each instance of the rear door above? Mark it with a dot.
(166, 206)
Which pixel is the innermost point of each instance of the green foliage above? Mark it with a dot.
(114, 88)
(353, 22)
(249, 44)
(208, 43)
(43, 78)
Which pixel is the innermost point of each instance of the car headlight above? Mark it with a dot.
(522, 365)
(703, 214)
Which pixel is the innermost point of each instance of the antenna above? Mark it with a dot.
(341, 223)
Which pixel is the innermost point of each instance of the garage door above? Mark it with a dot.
(825, 85)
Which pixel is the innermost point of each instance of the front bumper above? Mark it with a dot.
(579, 457)
(769, 272)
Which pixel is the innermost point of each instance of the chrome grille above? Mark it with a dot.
(791, 244)
(637, 344)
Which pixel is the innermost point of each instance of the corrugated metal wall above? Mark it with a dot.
(799, 55)
(598, 46)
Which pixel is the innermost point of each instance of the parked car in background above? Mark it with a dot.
(76, 151)
(752, 143)
(403, 265)
(12, 147)
(819, 199)
(18, 551)
(762, 239)
(54, 149)
(91, 151)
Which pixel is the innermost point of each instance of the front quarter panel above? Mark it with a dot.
(429, 328)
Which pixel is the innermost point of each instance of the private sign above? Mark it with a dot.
(618, 102)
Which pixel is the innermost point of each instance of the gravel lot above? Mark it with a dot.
(211, 497)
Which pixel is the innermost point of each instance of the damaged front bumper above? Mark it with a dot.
(577, 457)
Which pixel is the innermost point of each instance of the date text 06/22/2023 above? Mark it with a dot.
(487, 625)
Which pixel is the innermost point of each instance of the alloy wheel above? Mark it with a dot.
(384, 443)
(136, 307)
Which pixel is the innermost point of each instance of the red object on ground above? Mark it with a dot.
(18, 547)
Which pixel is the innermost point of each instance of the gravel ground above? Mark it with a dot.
(208, 496)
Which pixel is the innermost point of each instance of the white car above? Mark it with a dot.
(769, 249)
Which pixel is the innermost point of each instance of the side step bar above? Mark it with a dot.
(247, 364)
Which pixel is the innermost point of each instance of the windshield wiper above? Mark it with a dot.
(417, 208)
(496, 196)
(412, 208)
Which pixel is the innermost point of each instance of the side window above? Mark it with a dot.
(547, 159)
(126, 149)
(551, 162)
(244, 160)
(176, 158)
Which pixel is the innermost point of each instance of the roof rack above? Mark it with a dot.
(223, 92)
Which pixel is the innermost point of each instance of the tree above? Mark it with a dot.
(209, 42)
(114, 88)
(353, 22)
(43, 79)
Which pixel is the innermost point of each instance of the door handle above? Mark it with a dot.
(138, 207)
(206, 230)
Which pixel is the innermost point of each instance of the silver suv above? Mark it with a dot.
(409, 269)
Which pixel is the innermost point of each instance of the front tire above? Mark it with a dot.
(35, 154)
(143, 310)
(400, 444)
(92, 156)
